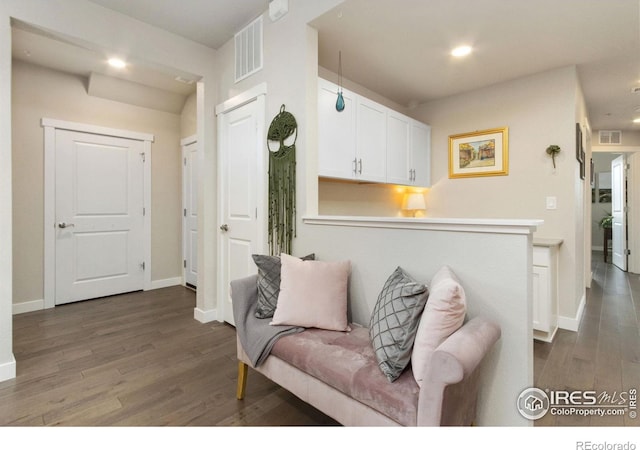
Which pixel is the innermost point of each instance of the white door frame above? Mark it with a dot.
(50, 126)
(184, 142)
(257, 93)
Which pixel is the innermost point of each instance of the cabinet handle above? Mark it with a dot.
(413, 177)
(355, 166)
(360, 163)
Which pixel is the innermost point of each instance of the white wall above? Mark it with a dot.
(497, 286)
(189, 117)
(93, 24)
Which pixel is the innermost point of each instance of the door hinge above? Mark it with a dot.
(143, 265)
(184, 212)
(144, 211)
(184, 263)
(144, 156)
(185, 161)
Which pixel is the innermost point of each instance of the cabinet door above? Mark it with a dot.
(421, 154)
(398, 149)
(371, 141)
(336, 132)
(541, 299)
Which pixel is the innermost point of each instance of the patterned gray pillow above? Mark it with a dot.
(269, 283)
(395, 320)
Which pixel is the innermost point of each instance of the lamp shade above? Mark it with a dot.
(414, 202)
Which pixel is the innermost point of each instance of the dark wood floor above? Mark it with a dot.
(139, 359)
(604, 355)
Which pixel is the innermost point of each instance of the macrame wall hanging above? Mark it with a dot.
(282, 182)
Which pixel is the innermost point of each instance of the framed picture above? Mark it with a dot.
(479, 154)
(579, 153)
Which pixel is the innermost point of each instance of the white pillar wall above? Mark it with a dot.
(7, 361)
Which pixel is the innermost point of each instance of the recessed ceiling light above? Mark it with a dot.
(636, 120)
(117, 63)
(463, 50)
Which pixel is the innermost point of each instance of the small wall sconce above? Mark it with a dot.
(414, 202)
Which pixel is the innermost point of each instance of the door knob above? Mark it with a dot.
(65, 225)
(224, 227)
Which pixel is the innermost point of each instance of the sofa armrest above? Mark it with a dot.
(449, 391)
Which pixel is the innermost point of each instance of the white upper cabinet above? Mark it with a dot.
(420, 154)
(336, 132)
(399, 170)
(370, 142)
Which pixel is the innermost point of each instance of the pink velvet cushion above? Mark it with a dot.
(346, 362)
(443, 314)
(313, 294)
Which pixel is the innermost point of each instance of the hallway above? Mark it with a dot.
(604, 355)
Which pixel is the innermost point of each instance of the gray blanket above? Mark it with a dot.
(256, 335)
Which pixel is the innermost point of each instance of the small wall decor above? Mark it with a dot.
(282, 182)
(553, 150)
(479, 153)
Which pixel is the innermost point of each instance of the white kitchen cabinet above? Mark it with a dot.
(369, 142)
(420, 154)
(545, 288)
(408, 155)
(399, 169)
(336, 132)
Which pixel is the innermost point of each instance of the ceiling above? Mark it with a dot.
(400, 49)
(403, 52)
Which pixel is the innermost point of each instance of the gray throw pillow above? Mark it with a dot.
(269, 283)
(395, 320)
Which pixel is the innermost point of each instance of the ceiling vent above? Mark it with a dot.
(635, 89)
(248, 43)
(609, 137)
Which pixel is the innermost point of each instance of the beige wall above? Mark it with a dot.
(189, 117)
(38, 93)
(539, 110)
(550, 101)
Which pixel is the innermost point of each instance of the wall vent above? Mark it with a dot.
(248, 43)
(610, 137)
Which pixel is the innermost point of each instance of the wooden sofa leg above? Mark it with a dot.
(242, 379)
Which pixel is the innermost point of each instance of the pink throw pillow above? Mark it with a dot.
(443, 314)
(313, 294)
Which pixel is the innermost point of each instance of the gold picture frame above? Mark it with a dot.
(479, 153)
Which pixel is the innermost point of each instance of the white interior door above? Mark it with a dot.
(619, 213)
(99, 198)
(242, 150)
(190, 213)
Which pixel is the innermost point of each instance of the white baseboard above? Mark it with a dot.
(167, 282)
(573, 323)
(8, 369)
(25, 307)
(205, 316)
